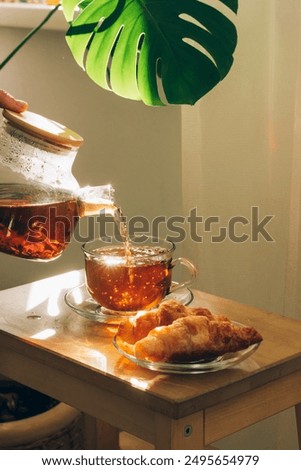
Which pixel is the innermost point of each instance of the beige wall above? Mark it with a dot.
(134, 147)
(241, 149)
(238, 152)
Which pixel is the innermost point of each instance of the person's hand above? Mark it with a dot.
(9, 102)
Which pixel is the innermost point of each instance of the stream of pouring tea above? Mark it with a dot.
(122, 228)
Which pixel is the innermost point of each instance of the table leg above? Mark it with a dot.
(100, 435)
(298, 421)
(183, 434)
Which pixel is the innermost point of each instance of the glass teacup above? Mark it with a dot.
(125, 278)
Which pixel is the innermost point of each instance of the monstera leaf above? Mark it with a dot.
(157, 51)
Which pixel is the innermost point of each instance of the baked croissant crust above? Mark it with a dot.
(175, 333)
(136, 328)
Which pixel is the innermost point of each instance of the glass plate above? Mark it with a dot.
(81, 302)
(194, 367)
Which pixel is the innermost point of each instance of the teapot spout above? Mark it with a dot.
(94, 199)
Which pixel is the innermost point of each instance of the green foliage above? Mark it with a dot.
(157, 51)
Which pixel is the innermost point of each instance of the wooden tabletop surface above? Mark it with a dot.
(36, 323)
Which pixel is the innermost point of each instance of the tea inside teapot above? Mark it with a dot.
(40, 200)
(33, 229)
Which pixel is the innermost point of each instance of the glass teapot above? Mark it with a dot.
(40, 200)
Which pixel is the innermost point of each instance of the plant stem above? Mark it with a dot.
(29, 35)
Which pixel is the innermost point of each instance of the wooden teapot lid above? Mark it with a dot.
(44, 128)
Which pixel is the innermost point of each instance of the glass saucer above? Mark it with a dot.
(81, 302)
(195, 367)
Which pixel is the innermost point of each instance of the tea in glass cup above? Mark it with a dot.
(127, 277)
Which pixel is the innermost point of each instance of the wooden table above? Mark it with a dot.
(45, 345)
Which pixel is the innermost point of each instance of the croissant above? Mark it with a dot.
(136, 328)
(192, 338)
